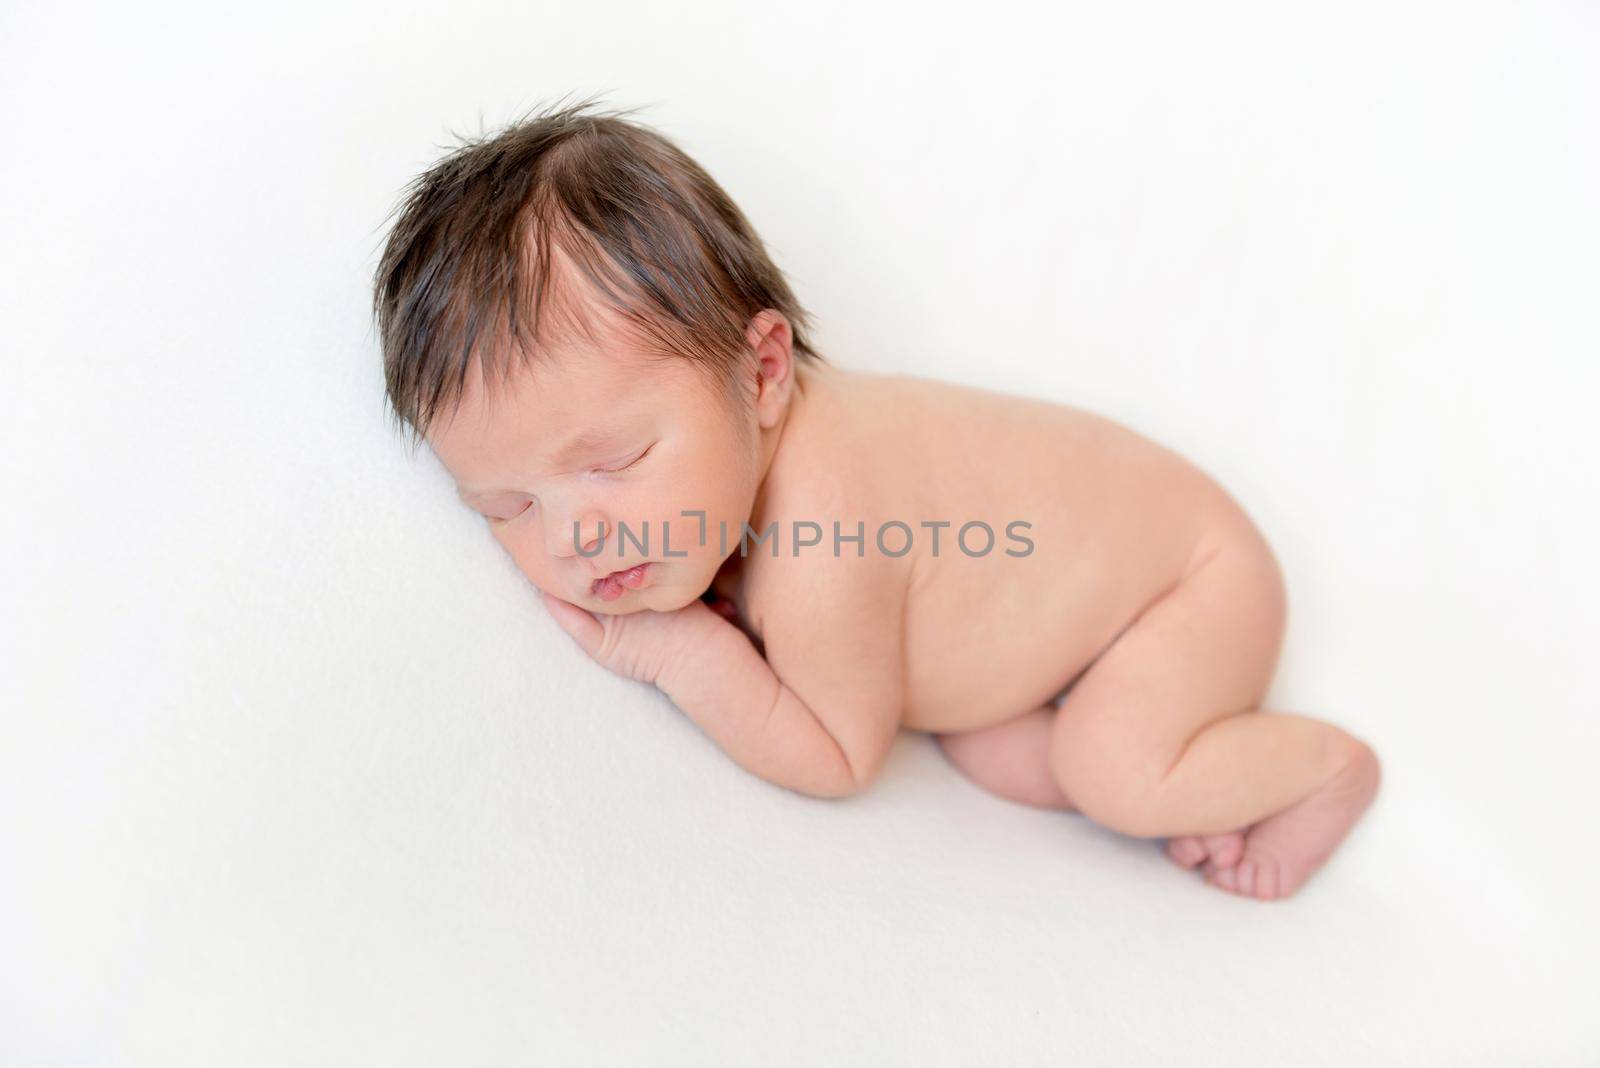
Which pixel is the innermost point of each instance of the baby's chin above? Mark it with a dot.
(651, 599)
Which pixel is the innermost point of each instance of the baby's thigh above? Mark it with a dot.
(1205, 650)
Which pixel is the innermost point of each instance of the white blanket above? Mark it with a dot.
(294, 770)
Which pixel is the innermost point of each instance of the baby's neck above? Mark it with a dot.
(729, 580)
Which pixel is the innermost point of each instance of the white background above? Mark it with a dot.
(294, 769)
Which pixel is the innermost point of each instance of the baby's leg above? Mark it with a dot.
(1162, 736)
(1011, 759)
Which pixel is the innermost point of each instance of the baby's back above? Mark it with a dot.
(1112, 519)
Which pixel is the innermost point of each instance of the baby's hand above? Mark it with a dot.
(639, 645)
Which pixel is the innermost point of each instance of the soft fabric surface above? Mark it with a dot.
(294, 769)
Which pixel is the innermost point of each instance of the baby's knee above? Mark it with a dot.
(1126, 811)
(1110, 786)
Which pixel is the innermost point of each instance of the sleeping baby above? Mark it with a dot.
(592, 339)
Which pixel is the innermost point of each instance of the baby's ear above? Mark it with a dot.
(772, 341)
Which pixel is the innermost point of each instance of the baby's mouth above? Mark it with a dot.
(615, 584)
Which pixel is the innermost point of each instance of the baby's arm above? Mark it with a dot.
(819, 718)
(819, 713)
(724, 685)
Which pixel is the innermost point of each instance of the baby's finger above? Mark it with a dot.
(586, 630)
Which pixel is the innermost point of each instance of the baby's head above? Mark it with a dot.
(590, 336)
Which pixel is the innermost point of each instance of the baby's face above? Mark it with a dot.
(564, 453)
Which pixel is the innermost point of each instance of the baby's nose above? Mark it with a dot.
(582, 536)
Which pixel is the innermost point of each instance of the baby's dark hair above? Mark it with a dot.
(468, 260)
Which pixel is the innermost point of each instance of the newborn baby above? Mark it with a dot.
(593, 341)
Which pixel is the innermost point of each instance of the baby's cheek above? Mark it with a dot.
(528, 557)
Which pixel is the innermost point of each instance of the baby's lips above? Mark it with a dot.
(611, 586)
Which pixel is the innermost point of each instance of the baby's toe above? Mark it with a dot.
(1246, 870)
(1267, 880)
(1227, 878)
(1225, 849)
(1187, 851)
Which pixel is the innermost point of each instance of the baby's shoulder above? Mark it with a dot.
(827, 597)
(820, 561)
(836, 456)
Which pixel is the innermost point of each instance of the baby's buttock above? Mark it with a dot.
(1114, 521)
(983, 664)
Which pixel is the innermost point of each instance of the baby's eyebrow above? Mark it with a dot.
(585, 441)
(580, 444)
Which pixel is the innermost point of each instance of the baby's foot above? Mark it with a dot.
(1282, 851)
(1218, 850)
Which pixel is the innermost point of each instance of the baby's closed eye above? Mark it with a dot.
(505, 513)
(631, 463)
